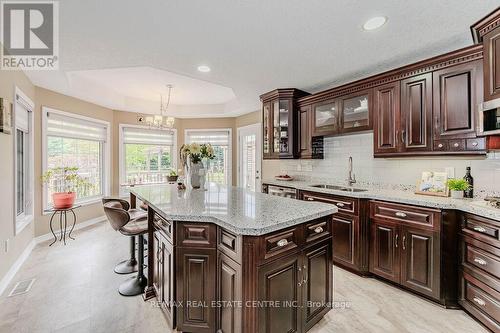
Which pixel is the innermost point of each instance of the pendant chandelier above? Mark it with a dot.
(162, 121)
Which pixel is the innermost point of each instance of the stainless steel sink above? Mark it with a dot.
(339, 188)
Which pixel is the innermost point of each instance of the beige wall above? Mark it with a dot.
(17, 243)
(249, 119)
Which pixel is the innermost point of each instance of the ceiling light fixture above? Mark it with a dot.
(374, 23)
(161, 121)
(204, 68)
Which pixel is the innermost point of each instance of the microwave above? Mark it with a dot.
(489, 118)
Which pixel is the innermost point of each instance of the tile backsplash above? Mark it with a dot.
(384, 172)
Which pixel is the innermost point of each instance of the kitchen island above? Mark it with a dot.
(230, 260)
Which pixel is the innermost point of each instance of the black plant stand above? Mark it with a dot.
(63, 223)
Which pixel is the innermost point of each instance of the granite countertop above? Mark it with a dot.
(474, 206)
(236, 209)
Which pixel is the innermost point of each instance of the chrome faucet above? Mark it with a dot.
(352, 176)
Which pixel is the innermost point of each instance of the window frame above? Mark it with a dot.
(230, 148)
(106, 157)
(121, 154)
(21, 221)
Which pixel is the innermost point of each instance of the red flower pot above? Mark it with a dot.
(63, 200)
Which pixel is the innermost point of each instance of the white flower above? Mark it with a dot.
(195, 148)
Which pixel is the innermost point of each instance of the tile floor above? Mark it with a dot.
(76, 291)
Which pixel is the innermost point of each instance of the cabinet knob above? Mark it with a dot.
(480, 229)
(440, 145)
(479, 301)
(400, 214)
(318, 230)
(310, 199)
(475, 143)
(456, 144)
(282, 242)
(340, 204)
(480, 261)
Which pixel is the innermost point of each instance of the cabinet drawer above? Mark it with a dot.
(476, 144)
(229, 243)
(482, 229)
(317, 230)
(482, 260)
(456, 145)
(196, 235)
(440, 145)
(416, 216)
(344, 204)
(482, 300)
(281, 242)
(166, 226)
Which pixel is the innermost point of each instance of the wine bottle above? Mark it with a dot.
(469, 193)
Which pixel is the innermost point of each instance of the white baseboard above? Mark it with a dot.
(4, 283)
(78, 226)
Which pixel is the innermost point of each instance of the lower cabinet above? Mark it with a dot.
(229, 289)
(343, 227)
(163, 279)
(301, 283)
(384, 252)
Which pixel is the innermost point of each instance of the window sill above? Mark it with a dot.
(80, 203)
(23, 222)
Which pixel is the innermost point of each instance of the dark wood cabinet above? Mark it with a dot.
(305, 132)
(355, 111)
(343, 227)
(416, 113)
(457, 92)
(280, 123)
(419, 267)
(325, 118)
(491, 42)
(229, 292)
(387, 118)
(163, 276)
(384, 250)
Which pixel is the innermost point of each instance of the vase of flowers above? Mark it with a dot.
(65, 181)
(191, 156)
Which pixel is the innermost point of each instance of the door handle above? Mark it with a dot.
(340, 204)
(480, 261)
(282, 242)
(404, 242)
(318, 230)
(400, 214)
(310, 199)
(396, 241)
(403, 139)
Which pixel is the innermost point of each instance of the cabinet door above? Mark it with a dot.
(343, 230)
(229, 290)
(158, 266)
(457, 91)
(387, 118)
(280, 281)
(384, 250)
(168, 282)
(305, 143)
(267, 139)
(416, 113)
(491, 42)
(196, 286)
(420, 261)
(325, 118)
(317, 283)
(355, 112)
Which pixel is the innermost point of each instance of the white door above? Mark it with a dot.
(250, 157)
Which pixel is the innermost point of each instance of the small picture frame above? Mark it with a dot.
(433, 183)
(5, 116)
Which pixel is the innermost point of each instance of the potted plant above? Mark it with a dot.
(66, 182)
(457, 187)
(191, 156)
(172, 176)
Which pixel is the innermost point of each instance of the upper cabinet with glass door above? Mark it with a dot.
(280, 123)
(355, 112)
(325, 118)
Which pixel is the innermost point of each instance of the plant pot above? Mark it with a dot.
(172, 179)
(63, 200)
(194, 174)
(457, 194)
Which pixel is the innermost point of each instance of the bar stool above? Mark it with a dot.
(121, 220)
(130, 265)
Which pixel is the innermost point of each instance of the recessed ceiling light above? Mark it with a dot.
(374, 23)
(204, 68)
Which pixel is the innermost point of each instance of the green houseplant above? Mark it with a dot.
(457, 187)
(65, 181)
(172, 176)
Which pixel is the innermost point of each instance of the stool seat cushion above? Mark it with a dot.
(135, 227)
(137, 213)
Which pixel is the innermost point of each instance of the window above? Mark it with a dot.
(23, 160)
(76, 141)
(147, 155)
(219, 169)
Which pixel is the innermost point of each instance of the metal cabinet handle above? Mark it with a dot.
(480, 261)
(396, 242)
(318, 230)
(282, 242)
(403, 139)
(340, 204)
(440, 145)
(400, 214)
(456, 144)
(480, 229)
(305, 275)
(404, 242)
(479, 301)
(310, 199)
(474, 144)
